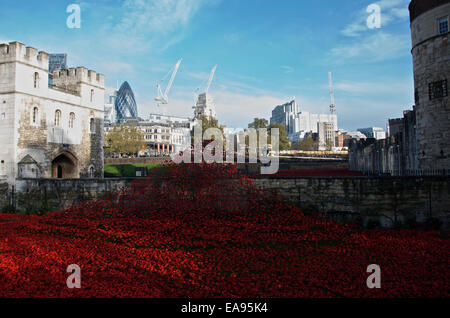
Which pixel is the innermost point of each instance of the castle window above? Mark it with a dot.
(57, 118)
(92, 95)
(71, 119)
(443, 25)
(92, 125)
(36, 80)
(416, 95)
(91, 172)
(35, 115)
(437, 89)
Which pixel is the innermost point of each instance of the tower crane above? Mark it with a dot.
(208, 83)
(211, 76)
(163, 98)
(204, 104)
(332, 105)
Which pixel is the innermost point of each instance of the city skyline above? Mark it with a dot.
(266, 53)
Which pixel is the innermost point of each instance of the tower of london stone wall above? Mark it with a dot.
(431, 61)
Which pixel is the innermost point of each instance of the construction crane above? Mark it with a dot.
(208, 83)
(163, 98)
(332, 105)
(202, 104)
(211, 76)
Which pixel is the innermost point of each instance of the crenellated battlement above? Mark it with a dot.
(17, 52)
(77, 75)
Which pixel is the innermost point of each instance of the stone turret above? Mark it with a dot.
(48, 131)
(431, 61)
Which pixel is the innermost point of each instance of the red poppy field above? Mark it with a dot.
(205, 231)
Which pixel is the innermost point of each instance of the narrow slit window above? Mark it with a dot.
(92, 125)
(36, 80)
(35, 115)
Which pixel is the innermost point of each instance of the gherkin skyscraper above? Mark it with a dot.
(125, 104)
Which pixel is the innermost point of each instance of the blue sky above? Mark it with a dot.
(267, 50)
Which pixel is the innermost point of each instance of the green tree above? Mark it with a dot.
(209, 122)
(285, 143)
(329, 144)
(124, 139)
(258, 123)
(307, 144)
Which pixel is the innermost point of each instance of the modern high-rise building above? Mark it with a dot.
(326, 134)
(373, 132)
(56, 62)
(110, 100)
(282, 114)
(431, 62)
(205, 106)
(125, 104)
(298, 123)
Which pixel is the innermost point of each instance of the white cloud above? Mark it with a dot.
(117, 67)
(377, 47)
(160, 16)
(361, 112)
(232, 38)
(355, 28)
(398, 87)
(237, 110)
(158, 24)
(391, 10)
(401, 13)
(202, 76)
(4, 41)
(287, 69)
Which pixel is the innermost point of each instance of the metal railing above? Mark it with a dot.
(408, 173)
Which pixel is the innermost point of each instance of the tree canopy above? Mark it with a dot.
(124, 139)
(259, 123)
(285, 143)
(209, 122)
(307, 144)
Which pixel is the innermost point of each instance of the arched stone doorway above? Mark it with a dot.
(64, 166)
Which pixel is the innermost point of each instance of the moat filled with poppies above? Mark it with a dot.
(207, 231)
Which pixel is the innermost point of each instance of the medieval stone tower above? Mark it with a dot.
(48, 132)
(431, 61)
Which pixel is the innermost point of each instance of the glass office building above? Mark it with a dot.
(125, 104)
(56, 62)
